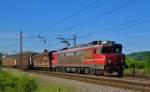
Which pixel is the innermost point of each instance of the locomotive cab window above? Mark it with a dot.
(112, 49)
(118, 48)
(107, 50)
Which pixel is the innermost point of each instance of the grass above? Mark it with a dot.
(142, 68)
(16, 81)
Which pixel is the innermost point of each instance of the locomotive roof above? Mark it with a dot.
(88, 47)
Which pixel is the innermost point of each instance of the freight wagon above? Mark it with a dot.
(18, 61)
(8, 61)
(23, 62)
(42, 60)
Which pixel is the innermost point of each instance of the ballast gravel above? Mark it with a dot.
(81, 86)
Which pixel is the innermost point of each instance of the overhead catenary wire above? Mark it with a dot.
(136, 24)
(129, 3)
(102, 14)
(30, 36)
(137, 21)
(75, 13)
(132, 21)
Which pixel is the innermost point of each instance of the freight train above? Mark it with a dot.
(96, 57)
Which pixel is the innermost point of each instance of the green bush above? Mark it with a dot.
(141, 67)
(138, 64)
(12, 83)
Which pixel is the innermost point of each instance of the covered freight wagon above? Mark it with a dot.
(23, 62)
(8, 61)
(42, 60)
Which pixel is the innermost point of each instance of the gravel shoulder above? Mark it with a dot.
(80, 86)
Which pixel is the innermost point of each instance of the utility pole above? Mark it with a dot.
(21, 44)
(75, 40)
(21, 47)
(66, 40)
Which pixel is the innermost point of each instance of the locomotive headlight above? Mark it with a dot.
(109, 61)
(122, 60)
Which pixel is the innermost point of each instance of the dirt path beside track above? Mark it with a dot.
(80, 86)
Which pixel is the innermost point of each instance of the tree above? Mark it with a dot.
(147, 58)
(1, 56)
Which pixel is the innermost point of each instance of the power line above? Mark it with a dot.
(75, 13)
(132, 21)
(103, 14)
(120, 26)
(144, 22)
(123, 24)
(29, 36)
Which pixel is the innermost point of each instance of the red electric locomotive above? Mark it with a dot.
(98, 57)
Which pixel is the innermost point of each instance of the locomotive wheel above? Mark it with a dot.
(78, 70)
(56, 69)
(59, 69)
(68, 70)
(62, 69)
(120, 72)
(108, 68)
(65, 69)
(87, 71)
(97, 72)
(92, 71)
(83, 70)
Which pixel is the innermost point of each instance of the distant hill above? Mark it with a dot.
(140, 56)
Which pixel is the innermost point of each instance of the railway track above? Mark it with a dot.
(139, 78)
(126, 83)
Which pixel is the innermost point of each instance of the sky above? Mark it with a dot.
(124, 21)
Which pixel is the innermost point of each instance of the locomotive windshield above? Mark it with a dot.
(112, 49)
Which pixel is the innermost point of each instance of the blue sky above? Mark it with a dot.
(37, 17)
